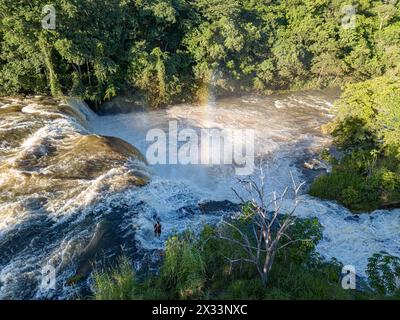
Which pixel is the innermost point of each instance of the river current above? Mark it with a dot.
(96, 218)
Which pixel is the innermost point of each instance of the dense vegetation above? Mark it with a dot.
(198, 268)
(171, 50)
(367, 130)
(195, 269)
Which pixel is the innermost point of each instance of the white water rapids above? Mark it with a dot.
(58, 227)
(288, 128)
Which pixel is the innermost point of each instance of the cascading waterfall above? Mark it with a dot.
(287, 133)
(57, 183)
(70, 197)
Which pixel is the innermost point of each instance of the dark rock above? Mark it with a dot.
(315, 164)
(219, 206)
(355, 218)
(75, 280)
(209, 207)
(124, 103)
(189, 211)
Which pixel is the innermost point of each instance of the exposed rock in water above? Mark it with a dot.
(355, 218)
(219, 206)
(315, 164)
(91, 156)
(210, 207)
(125, 103)
(46, 148)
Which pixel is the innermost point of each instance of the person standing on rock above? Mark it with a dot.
(157, 229)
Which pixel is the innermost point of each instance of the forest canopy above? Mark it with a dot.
(169, 50)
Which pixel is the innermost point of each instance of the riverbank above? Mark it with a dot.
(366, 129)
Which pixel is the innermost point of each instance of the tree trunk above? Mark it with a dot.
(52, 75)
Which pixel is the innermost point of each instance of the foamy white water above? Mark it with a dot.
(66, 221)
(287, 130)
(53, 197)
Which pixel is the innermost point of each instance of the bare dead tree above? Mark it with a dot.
(268, 223)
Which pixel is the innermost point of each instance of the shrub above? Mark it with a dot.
(244, 289)
(384, 273)
(183, 270)
(118, 283)
(360, 182)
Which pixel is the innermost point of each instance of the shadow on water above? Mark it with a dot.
(73, 247)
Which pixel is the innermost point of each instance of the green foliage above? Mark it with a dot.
(384, 274)
(197, 268)
(319, 280)
(348, 187)
(119, 283)
(298, 273)
(367, 129)
(368, 116)
(183, 270)
(243, 289)
(91, 52)
(307, 233)
(168, 49)
(156, 74)
(215, 252)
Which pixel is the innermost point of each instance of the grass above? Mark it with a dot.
(118, 283)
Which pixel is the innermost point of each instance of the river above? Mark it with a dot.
(98, 217)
